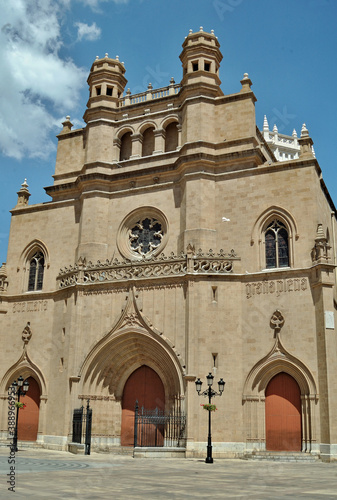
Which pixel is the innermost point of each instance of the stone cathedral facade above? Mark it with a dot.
(174, 245)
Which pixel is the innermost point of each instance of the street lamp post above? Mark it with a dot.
(21, 387)
(210, 393)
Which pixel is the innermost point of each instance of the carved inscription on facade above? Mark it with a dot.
(97, 398)
(276, 287)
(110, 291)
(34, 306)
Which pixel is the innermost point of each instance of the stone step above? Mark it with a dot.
(116, 450)
(281, 456)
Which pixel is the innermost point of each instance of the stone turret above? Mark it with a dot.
(106, 82)
(201, 59)
(23, 195)
(305, 143)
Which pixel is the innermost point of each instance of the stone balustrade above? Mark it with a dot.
(83, 273)
(149, 94)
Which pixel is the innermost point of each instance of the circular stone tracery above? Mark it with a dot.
(143, 233)
(146, 235)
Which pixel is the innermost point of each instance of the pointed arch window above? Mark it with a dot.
(277, 245)
(36, 270)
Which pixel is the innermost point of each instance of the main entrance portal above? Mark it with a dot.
(283, 414)
(145, 386)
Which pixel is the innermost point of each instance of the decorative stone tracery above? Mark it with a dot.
(146, 235)
(277, 321)
(153, 267)
(321, 251)
(132, 342)
(27, 333)
(143, 232)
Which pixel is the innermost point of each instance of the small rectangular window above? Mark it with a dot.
(207, 66)
(109, 91)
(98, 90)
(195, 66)
(215, 359)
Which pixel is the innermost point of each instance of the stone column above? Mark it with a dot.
(137, 141)
(159, 141)
(116, 148)
(42, 418)
(179, 128)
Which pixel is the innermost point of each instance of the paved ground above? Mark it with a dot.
(44, 474)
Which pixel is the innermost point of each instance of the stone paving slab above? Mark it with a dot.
(45, 474)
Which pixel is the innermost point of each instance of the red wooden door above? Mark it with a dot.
(145, 386)
(283, 414)
(29, 417)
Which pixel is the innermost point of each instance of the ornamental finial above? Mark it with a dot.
(265, 123)
(304, 131)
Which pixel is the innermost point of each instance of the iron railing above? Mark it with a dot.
(82, 420)
(154, 428)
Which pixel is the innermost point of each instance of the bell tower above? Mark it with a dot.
(201, 59)
(106, 82)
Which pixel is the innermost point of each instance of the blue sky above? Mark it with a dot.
(47, 47)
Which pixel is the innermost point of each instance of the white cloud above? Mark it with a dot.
(94, 4)
(84, 31)
(36, 85)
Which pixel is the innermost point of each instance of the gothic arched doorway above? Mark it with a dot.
(145, 386)
(29, 416)
(283, 414)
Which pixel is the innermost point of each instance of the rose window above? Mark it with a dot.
(146, 235)
(142, 233)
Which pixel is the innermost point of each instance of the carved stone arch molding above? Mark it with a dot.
(123, 130)
(262, 222)
(278, 360)
(29, 250)
(172, 142)
(25, 367)
(144, 125)
(172, 118)
(131, 343)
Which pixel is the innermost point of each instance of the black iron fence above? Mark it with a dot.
(82, 419)
(159, 428)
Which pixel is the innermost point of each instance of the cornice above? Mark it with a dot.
(40, 207)
(70, 134)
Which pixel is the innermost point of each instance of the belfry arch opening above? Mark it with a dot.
(171, 137)
(148, 142)
(126, 146)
